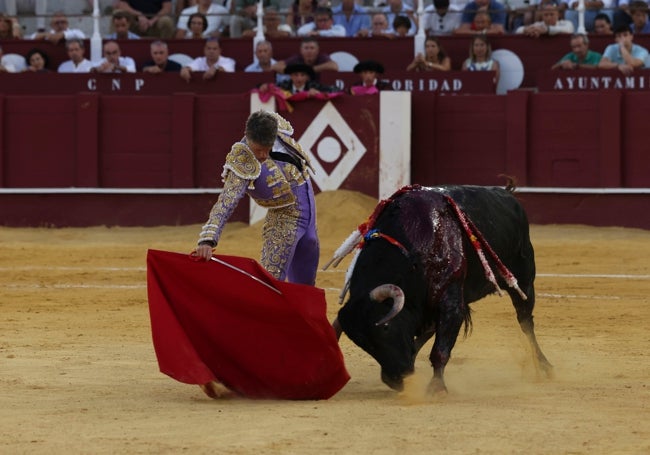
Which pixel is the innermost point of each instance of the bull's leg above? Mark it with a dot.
(338, 330)
(524, 309)
(453, 311)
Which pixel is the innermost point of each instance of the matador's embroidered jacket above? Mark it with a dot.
(269, 183)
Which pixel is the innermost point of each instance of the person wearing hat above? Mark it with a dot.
(302, 80)
(369, 84)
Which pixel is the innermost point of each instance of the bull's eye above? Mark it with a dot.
(385, 327)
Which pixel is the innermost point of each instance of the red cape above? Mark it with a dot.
(210, 322)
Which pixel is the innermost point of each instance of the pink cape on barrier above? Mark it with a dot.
(211, 322)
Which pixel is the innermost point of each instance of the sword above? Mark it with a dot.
(245, 273)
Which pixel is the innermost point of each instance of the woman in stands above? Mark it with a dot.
(197, 23)
(480, 57)
(434, 59)
(9, 28)
(37, 61)
(301, 13)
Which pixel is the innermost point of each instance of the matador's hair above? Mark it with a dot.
(262, 128)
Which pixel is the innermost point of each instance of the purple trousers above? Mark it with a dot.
(290, 248)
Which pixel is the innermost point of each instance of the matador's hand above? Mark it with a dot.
(204, 252)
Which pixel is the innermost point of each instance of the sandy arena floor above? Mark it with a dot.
(78, 372)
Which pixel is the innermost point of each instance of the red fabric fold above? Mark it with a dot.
(210, 322)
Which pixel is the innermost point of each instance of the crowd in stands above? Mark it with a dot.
(214, 20)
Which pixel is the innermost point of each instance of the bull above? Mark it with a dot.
(423, 256)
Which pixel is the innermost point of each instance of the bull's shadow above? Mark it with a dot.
(423, 256)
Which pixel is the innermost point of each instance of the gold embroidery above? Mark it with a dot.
(242, 162)
(284, 127)
(279, 233)
(233, 190)
(290, 142)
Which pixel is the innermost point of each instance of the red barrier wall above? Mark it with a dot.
(180, 141)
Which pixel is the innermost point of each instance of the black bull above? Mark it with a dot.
(418, 270)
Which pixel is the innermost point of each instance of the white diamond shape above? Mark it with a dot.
(355, 148)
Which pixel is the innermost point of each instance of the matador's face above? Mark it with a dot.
(260, 151)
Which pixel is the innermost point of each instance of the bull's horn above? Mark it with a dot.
(385, 291)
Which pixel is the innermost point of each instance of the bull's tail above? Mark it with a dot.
(511, 183)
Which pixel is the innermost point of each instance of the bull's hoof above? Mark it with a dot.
(395, 383)
(216, 390)
(437, 387)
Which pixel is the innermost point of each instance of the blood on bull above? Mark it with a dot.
(421, 258)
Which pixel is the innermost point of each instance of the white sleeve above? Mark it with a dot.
(562, 26)
(306, 29)
(130, 64)
(182, 22)
(72, 33)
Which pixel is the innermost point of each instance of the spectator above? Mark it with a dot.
(9, 28)
(624, 54)
(402, 26)
(160, 62)
(352, 17)
(244, 15)
(521, 13)
(480, 57)
(369, 84)
(273, 26)
(216, 17)
(639, 13)
(603, 25)
(481, 25)
(302, 80)
(121, 22)
(495, 9)
(580, 57)
(197, 24)
(311, 55)
(301, 13)
(5, 65)
(323, 25)
(434, 59)
(438, 19)
(113, 62)
(78, 63)
(378, 27)
(397, 8)
(621, 14)
(551, 24)
(37, 61)
(211, 63)
(592, 8)
(59, 31)
(264, 56)
(153, 17)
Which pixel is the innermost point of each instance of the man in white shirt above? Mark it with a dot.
(113, 62)
(215, 14)
(60, 30)
(551, 24)
(323, 25)
(211, 63)
(264, 56)
(77, 63)
(439, 19)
